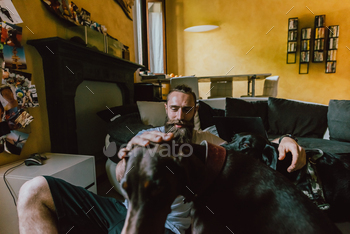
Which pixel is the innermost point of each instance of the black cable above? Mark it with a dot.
(14, 200)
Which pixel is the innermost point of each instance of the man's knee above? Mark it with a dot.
(34, 191)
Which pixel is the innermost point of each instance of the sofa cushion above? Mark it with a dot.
(125, 127)
(297, 118)
(236, 107)
(152, 113)
(339, 120)
(206, 114)
(329, 146)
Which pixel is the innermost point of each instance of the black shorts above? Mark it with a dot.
(81, 211)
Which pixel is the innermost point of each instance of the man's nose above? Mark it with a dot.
(180, 114)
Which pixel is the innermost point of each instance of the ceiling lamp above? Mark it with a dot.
(201, 28)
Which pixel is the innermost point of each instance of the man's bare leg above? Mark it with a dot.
(36, 209)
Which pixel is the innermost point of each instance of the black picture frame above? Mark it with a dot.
(126, 6)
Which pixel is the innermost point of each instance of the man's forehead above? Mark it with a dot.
(179, 99)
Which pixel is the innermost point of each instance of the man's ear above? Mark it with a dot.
(196, 109)
(166, 109)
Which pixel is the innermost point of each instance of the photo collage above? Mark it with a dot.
(17, 93)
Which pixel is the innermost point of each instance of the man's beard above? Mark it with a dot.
(183, 134)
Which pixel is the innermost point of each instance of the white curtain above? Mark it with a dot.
(156, 42)
(137, 32)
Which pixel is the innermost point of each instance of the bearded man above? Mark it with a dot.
(50, 205)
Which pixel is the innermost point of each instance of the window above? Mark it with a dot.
(149, 31)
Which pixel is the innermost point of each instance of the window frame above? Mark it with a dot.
(145, 33)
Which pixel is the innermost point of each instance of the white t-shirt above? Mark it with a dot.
(179, 220)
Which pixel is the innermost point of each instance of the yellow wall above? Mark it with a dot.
(244, 24)
(44, 24)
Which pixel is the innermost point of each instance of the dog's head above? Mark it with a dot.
(256, 146)
(153, 178)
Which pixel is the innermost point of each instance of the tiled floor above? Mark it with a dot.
(344, 227)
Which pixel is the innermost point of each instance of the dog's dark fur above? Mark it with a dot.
(246, 197)
(333, 171)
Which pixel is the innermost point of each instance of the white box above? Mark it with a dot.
(78, 170)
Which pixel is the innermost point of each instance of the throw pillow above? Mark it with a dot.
(206, 114)
(297, 118)
(108, 114)
(339, 120)
(125, 127)
(152, 113)
(236, 107)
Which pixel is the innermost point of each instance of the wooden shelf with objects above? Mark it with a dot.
(292, 40)
(332, 47)
(305, 45)
(319, 41)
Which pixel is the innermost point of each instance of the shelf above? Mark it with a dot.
(292, 40)
(319, 39)
(332, 47)
(305, 46)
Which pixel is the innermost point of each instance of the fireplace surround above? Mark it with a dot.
(66, 65)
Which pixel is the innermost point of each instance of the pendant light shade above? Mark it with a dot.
(201, 28)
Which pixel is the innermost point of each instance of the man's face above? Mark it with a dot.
(180, 110)
(180, 106)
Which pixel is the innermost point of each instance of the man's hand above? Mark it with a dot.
(299, 156)
(144, 139)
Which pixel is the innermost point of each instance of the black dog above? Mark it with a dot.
(243, 196)
(333, 173)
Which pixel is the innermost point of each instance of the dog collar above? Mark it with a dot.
(215, 159)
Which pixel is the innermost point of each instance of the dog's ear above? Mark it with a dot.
(270, 156)
(234, 138)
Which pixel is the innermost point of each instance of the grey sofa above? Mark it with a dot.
(315, 125)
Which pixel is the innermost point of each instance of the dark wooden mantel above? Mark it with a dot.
(66, 65)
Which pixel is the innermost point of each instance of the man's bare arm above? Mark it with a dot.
(289, 145)
(144, 139)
